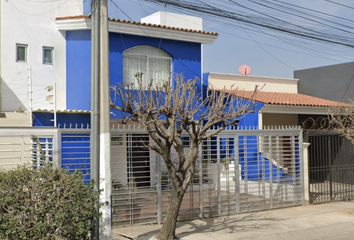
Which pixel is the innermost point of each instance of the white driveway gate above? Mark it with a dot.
(237, 171)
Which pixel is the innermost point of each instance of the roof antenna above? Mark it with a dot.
(244, 70)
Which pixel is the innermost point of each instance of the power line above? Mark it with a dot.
(261, 19)
(340, 4)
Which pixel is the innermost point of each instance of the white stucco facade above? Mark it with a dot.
(248, 83)
(30, 85)
(174, 20)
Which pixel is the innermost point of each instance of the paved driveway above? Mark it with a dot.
(331, 221)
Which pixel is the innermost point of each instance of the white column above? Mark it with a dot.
(306, 173)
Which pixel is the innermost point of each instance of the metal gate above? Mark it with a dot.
(28, 146)
(237, 171)
(331, 166)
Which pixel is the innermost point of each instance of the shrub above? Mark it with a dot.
(45, 203)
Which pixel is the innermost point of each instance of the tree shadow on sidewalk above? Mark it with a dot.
(227, 225)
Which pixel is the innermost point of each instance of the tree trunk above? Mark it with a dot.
(168, 229)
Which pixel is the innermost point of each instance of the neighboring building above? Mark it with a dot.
(278, 103)
(32, 58)
(334, 82)
(33, 55)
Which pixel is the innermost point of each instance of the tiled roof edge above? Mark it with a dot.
(142, 24)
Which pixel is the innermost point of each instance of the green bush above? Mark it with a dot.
(45, 203)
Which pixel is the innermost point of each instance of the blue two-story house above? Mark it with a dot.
(160, 46)
(148, 47)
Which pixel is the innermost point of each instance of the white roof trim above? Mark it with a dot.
(73, 24)
(60, 111)
(250, 78)
(294, 109)
(139, 30)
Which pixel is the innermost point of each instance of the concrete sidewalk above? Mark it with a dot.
(330, 221)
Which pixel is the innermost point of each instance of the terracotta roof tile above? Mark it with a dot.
(290, 99)
(73, 17)
(143, 24)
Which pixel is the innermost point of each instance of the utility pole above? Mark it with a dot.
(95, 114)
(100, 115)
(105, 136)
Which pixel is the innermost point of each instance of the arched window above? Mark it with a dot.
(153, 64)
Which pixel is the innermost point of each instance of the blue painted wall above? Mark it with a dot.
(186, 60)
(63, 120)
(251, 119)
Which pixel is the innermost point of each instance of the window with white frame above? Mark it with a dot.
(48, 55)
(151, 63)
(21, 53)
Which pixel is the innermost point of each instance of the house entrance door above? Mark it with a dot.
(138, 159)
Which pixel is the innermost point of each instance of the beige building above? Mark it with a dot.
(279, 100)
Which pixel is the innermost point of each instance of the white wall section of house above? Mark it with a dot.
(15, 119)
(174, 20)
(248, 83)
(32, 23)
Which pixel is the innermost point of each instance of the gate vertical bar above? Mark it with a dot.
(211, 189)
(302, 168)
(23, 149)
(227, 168)
(330, 167)
(270, 172)
(237, 175)
(57, 149)
(277, 159)
(219, 174)
(263, 176)
(293, 166)
(200, 159)
(246, 169)
(158, 189)
(259, 165)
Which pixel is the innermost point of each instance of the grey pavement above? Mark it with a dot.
(329, 221)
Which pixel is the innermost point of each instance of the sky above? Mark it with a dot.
(269, 54)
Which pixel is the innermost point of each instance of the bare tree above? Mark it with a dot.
(165, 112)
(341, 120)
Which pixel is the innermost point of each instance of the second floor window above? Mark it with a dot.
(47, 55)
(21, 53)
(150, 63)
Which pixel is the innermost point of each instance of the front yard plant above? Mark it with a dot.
(45, 203)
